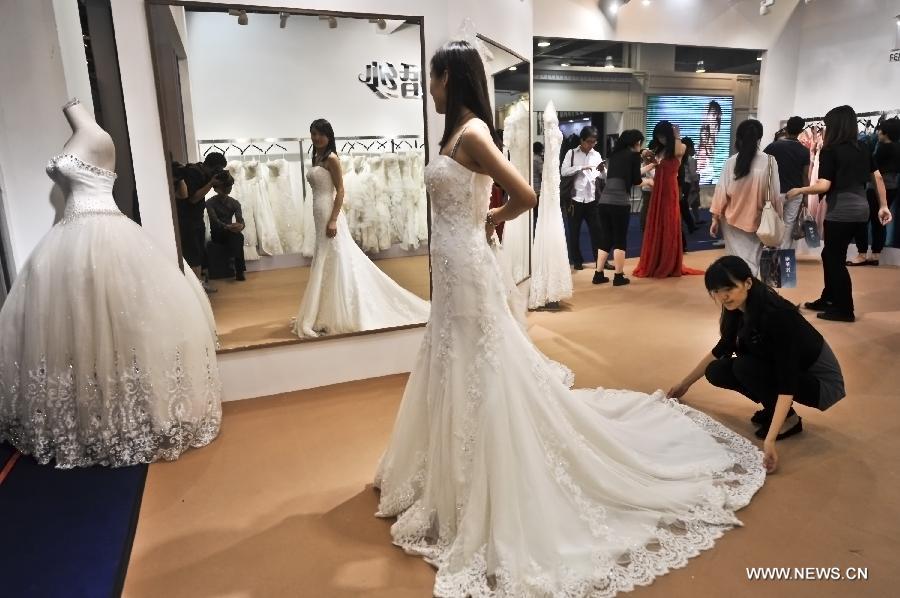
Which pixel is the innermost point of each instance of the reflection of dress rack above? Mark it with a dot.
(267, 190)
(384, 189)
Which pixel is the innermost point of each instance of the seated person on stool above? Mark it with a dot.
(226, 222)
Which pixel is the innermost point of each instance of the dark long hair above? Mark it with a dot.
(840, 126)
(627, 139)
(323, 127)
(466, 86)
(746, 142)
(665, 130)
(726, 273)
(689, 149)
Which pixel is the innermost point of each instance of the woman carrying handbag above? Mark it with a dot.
(746, 207)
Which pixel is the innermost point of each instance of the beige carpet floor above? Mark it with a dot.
(281, 503)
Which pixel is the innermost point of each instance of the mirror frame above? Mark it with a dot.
(530, 177)
(265, 8)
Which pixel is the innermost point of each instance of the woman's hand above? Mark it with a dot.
(795, 192)
(679, 390)
(770, 458)
(331, 229)
(489, 227)
(714, 228)
(884, 215)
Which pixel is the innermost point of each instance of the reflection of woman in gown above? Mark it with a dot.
(662, 250)
(505, 480)
(346, 292)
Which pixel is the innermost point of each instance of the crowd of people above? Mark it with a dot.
(860, 187)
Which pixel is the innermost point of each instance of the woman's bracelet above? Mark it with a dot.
(489, 219)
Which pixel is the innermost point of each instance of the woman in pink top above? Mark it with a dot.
(741, 194)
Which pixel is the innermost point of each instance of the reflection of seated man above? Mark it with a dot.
(226, 222)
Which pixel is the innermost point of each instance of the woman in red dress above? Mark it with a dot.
(662, 250)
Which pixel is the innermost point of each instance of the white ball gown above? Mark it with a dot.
(346, 291)
(107, 354)
(511, 484)
(551, 277)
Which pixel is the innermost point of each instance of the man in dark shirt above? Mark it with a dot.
(226, 222)
(199, 179)
(792, 158)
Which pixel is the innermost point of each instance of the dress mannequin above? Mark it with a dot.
(88, 141)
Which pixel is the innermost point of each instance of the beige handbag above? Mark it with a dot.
(771, 226)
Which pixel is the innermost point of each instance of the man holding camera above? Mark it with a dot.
(198, 179)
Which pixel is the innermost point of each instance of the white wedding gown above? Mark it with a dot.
(346, 291)
(514, 486)
(551, 277)
(107, 350)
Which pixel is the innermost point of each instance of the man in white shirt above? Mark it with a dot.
(583, 161)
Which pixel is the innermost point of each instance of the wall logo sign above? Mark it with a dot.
(389, 82)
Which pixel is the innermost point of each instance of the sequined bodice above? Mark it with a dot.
(88, 188)
(459, 203)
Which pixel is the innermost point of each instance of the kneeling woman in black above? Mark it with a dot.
(768, 352)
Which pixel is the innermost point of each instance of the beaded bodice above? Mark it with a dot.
(88, 188)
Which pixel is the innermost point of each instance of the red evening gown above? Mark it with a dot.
(661, 250)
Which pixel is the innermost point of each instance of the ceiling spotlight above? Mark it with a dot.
(701, 67)
(282, 18)
(543, 44)
(565, 64)
(614, 8)
(765, 6)
(512, 68)
(609, 62)
(380, 23)
(759, 57)
(332, 22)
(646, 2)
(241, 15)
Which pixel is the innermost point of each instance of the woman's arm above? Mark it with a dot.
(818, 188)
(333, 165)
(884, 212)
(782, 407)
(479, 147)
(680, 389)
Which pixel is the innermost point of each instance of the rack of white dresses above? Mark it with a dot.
(264, 146)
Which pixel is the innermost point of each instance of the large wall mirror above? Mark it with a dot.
(511, 87)
(245, 84)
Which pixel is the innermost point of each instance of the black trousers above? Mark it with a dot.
(756, 379)
(893, 202)
(838, 286)
(235, 244)
(583, 212)
(878, 231)
(685, 205)
(193, 243)
(614, 221)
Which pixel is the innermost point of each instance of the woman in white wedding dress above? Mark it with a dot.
(107, 350)
(551, 277)
(346, 291)
(508, 482)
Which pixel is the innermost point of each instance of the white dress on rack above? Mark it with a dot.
(516, 234)
(514, 486)
(396, 194)
(551, 277)
(421, 196)
(248, 209)
(107, 350)
(410, 236)
(309, 220)
(287, 213)
(382, 203)
(346, 291)
(266, 228)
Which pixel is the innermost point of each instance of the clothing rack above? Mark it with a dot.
(858, 115)
(366, 142)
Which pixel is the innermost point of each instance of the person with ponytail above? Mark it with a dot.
(748, 179)
(768, 352)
